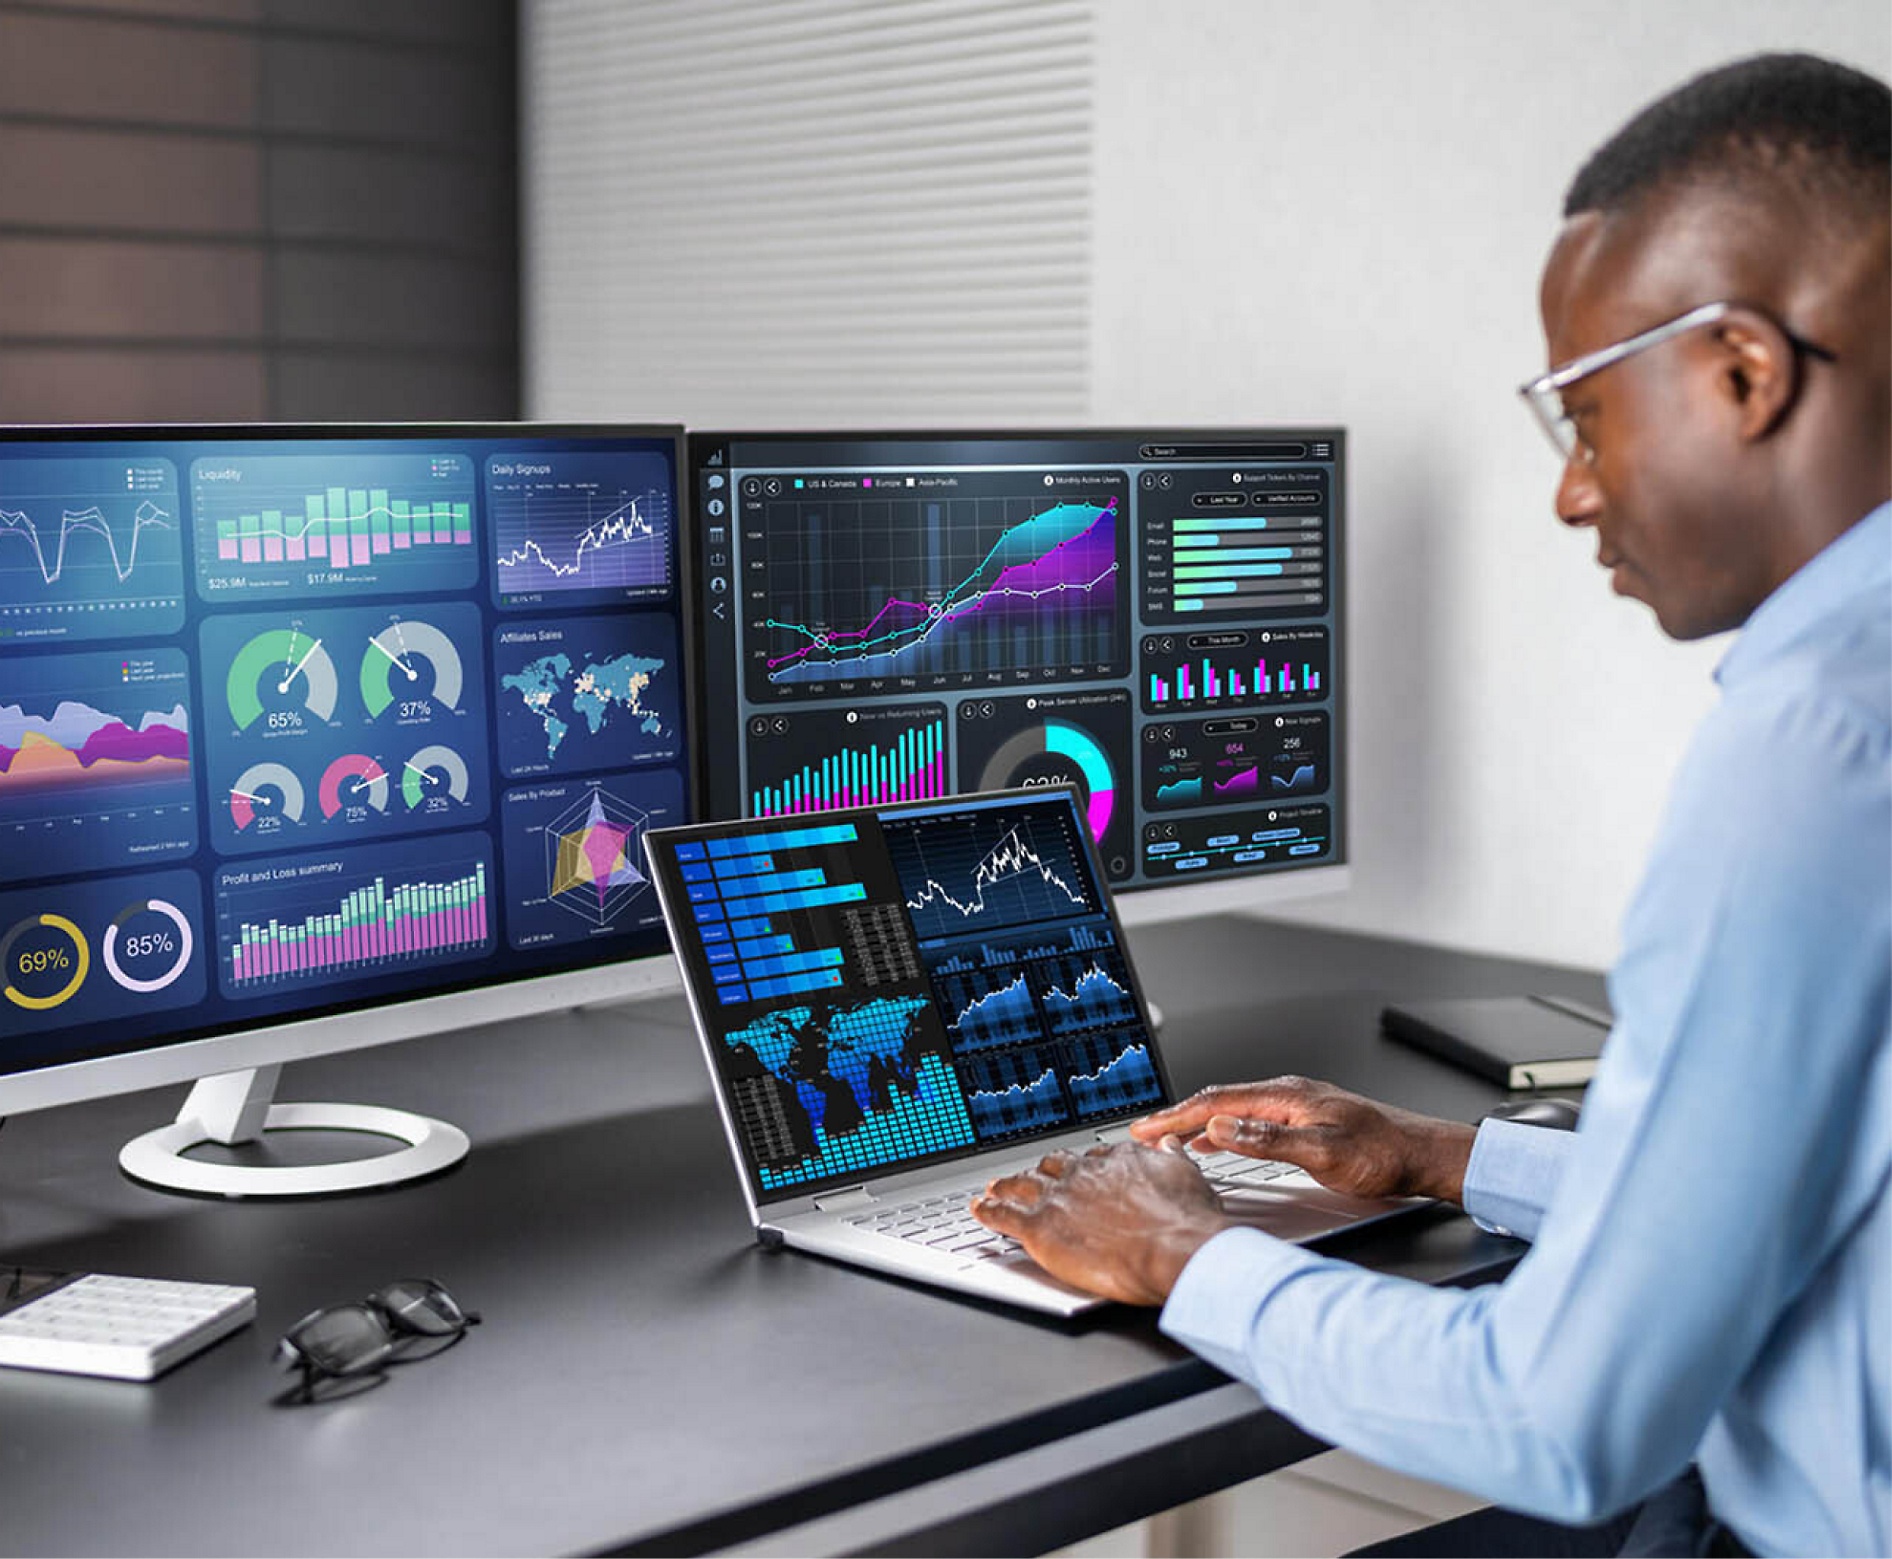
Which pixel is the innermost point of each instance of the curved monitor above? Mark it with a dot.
(1152, 616)
(314, 738)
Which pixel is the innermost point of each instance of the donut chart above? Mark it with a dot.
(24, 972)
(1040, 747)
(173, 944)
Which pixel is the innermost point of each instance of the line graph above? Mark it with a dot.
(588, 528)
(1005, 1109)
(1116, 1074)
(92, 519)
(89, 548)
(1082, 994)
(992, 868)
(989, 1012)
(944, 588)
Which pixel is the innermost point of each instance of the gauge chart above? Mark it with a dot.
(408, 662)
(266, 797)
(356, 720)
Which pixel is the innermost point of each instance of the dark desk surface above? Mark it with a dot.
(647, 1378)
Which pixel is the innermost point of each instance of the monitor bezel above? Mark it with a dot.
(459, 1003)
(1148, 903)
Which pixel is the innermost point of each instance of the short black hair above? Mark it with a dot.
(1832, 123)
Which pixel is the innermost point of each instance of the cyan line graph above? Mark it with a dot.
(846, 599)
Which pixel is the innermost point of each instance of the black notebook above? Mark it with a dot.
(1518, 1041)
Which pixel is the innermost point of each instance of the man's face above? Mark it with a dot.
(1654, 475)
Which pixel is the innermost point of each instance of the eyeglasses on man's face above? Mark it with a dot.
(1545, 394)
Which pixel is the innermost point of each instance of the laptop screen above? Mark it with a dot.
(879, 988)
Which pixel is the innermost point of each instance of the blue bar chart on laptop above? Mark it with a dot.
(745, 893)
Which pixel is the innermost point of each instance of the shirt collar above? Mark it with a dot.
(1857, 562)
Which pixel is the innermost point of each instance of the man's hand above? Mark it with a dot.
(1347, 1143)
(1121, 1221)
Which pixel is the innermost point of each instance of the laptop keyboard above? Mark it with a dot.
(944, 1222)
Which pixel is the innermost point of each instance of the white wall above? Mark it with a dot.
(1337, 211)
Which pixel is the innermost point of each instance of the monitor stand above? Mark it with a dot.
(235, 1107)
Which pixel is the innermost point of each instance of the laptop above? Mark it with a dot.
(900, 1002)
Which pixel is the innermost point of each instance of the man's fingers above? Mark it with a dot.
(1279, 1096)
(995, 1213)
(1057, 1165)
(1023, 1192)
(1260, 1139)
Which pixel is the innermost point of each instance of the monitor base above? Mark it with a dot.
(235, 1108)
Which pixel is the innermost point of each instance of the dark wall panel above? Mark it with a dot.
(118, 384)
(258, 209)
(93, 288)
(380, 300)
(137, 71)
(110, 181)
(373, 196)
(387, 388)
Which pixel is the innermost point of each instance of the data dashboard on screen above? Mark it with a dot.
(1153, 617)
(298, 721)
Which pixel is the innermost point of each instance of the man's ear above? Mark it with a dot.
(1758, 372)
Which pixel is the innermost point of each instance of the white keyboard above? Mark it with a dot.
(945, 1221)
(125, 1328)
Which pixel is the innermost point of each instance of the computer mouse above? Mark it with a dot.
(1557, 1114)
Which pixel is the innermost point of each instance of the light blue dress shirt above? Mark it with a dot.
(1710, 1277)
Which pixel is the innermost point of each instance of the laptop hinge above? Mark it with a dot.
(1109, 1135)
(845, 1201)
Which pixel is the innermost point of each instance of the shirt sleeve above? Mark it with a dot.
(1751, 998)
(1513, 1172)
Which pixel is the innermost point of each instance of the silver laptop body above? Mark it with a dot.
(813, 938)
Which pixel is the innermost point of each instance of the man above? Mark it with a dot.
(1710, 1279)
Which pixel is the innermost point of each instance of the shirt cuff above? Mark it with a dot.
(1513, 1173)
(1216, 1300)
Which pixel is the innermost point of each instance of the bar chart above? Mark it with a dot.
(1229, 669)
(811, 760)
(278, 524)
(749, 896)
(346, 914)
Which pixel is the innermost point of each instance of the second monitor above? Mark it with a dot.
(1154, 617)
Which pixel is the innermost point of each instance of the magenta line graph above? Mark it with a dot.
(1044, 592)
